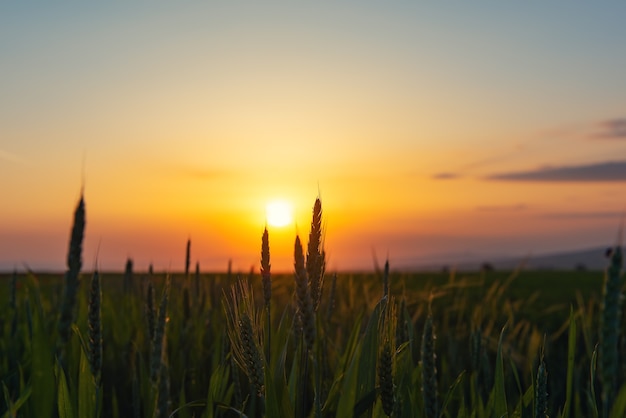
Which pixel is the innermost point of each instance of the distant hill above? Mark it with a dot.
(588, 259)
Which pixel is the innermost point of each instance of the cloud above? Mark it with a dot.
(584, 215)
(612, 129)
(446, 176)
(7, 156)
(604, 171)
(502, 208)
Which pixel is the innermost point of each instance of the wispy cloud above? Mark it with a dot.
(502, 208)
(604, 171)
(611, 129)
(584, 215)
(608, 129)
(7, 156)
(446, 176)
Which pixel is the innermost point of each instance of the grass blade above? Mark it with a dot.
(500, 407)
(571, 358)
(593, 402)
(451, 391)
(64, 403)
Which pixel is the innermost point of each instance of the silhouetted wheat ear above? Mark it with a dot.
(429, 369)
(74, 258)
(541, 392)
(385, 378)
(94, 319)
(254, 363)
(610, 329)
(387, 332)
(128, 276)
(314, 259)
(266, 268)
(244, 333)
(159, 334)
(266, 278)
(74, 264)
(197, 280)
(305, 307)
(386, 279)
(187, 258)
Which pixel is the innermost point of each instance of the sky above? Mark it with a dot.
(431, 132)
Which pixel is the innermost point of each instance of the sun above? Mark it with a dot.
(278, 213)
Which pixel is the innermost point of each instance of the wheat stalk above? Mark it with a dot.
(13, 291)
(610, 329)
(429, 369)
(331, 298)
(151, 310)
(164, 404)
(13, 302)
(186, 305)
(197, 281)
(94, 319)
(159, 334)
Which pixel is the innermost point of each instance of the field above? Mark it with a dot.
(195, 344)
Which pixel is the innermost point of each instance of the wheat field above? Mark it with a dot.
(310, 344)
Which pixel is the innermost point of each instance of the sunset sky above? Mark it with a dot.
(431, 131)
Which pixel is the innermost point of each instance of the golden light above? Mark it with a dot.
(279, 213)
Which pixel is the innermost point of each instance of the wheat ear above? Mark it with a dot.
(266, 277)
(74, 264)
(315, 256)
(305, 306)
(541, 391)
